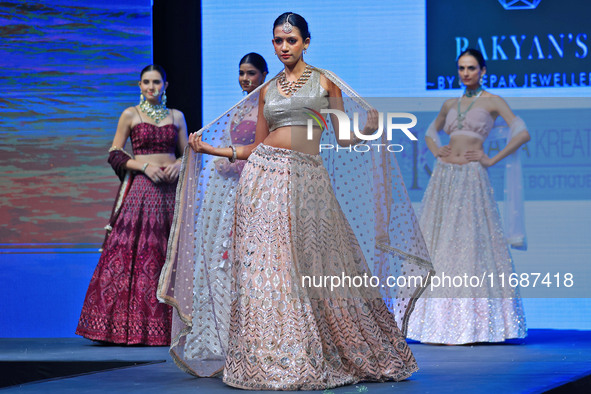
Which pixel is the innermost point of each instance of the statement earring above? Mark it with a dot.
(164, 98)
(305, 50)
(142, 98)
(481, 81)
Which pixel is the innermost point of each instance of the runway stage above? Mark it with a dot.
(554, 361)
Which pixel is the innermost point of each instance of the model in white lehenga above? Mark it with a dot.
(461, 223)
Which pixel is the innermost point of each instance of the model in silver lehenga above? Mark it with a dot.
(254, 319)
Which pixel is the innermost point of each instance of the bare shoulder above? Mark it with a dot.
(493, 98)
(129, 113)
(263, 91)
(497, 101)
(448, 104)
(129, 116)
(489, 95)
(328, 85)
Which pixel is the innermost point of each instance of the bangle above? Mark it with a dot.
(233, 158)
(144, 167)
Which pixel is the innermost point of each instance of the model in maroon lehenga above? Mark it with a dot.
(121, 304)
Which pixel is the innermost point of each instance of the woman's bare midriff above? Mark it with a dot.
(459, 145)
(294, 138)
(157, 159)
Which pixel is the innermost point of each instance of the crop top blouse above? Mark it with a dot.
(477, 123)
(147, 138)
(280, 111)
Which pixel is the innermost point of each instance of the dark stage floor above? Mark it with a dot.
(556, 361)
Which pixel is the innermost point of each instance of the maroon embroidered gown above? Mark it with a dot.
(121, 304)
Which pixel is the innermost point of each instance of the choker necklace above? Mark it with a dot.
(155, 112)
(290, 87)
(473, 92)
(462, 115)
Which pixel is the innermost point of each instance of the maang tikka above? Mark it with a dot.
(287, 27)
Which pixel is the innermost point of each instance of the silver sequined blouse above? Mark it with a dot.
(283, 111)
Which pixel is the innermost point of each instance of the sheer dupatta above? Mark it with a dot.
(371, 193)
(513, 211)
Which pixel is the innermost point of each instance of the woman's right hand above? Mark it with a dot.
(443, 151)
(155, 174)
(198, 145)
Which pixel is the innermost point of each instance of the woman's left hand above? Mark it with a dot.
(372, 122)
(479, 156)
(171, 171)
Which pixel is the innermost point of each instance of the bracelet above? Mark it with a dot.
(233, 158)
(144, 167)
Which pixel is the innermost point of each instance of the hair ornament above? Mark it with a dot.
(287, 27)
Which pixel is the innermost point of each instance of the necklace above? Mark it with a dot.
(290, 87)
(462, 115)
(473, 92)
(155, 112)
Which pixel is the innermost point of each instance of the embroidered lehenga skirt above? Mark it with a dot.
(462, 227)
(282, 334)
(121, 304)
